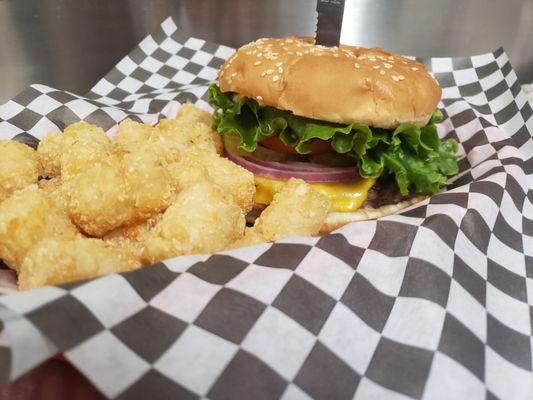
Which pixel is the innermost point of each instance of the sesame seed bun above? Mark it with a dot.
(342, 84)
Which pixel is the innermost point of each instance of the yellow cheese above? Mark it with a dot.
(345, 196)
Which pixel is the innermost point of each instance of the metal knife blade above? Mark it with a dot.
(329, 24)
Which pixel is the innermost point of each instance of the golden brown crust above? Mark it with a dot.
(339, 84)
(336, 220)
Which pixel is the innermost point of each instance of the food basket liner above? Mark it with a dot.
(434, 302)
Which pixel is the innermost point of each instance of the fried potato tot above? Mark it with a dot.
(50, 150)
(251, 237)
(190, 131)
(190, 114)
(27, 217)
(54, 191)
(130, 133)
(296, 210)
(148, 181)
(84, 145)
(185, 174)
(233, 179)
(65, 258)
(203, 219)
(19, 167)
(98, 200)
(179, 136)
(132, 237)
(120, 190)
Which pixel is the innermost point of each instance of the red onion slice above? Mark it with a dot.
(293, 165)
(309, 173)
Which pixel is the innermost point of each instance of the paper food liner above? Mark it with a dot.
(434, 302)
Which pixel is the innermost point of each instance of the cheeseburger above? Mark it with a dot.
(357, 124)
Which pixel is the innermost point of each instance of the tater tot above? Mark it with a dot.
(65, 258)
(27, 217)
(149, 183)
(50, 149)
(121, 190)
(132, 237)
(19, 167)
(180, 136)
(296, 210)
(202, 220)
(131, 132)
(83, 146)
(98, 200)
(186, 174)
(190, 114)
(54, 191)
(233, 179)
(251, 237)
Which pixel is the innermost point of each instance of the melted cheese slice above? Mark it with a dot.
(345, 196)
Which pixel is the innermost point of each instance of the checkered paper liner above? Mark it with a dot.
(435, 302)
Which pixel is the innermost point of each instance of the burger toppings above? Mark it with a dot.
(415, 156)
(267, 163)
(345, 196)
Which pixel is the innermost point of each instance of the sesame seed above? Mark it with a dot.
(387, 65)
(280, 70)
(414, 68)
(401, 77)
(263, 74)
(335, 55)
(381, 72)
(233, 74)
(278, 64)
(248, 52)
(357, 66)
(257, 63)
(395, 78)
(275, 78)
(375, 66)
(299, 53)
(260, 98)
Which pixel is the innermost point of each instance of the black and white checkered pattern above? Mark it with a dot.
(435, 302)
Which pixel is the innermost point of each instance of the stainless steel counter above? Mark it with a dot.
(70, 44)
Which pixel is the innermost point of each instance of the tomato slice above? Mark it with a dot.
(317, 146)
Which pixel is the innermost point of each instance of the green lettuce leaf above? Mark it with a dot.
(416, 156)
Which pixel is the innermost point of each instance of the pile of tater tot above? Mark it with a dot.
(83, 205)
